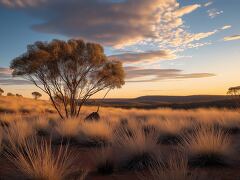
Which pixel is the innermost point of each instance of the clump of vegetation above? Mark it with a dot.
(36, 95)
(138, 150)
(37, 160)
(19, 95)
(95, 133)
(104, 160)
(175, 168)
(42, 126)
(18, 132)
(208, 146)
(170, 130)
(10, 94)
(67, 131)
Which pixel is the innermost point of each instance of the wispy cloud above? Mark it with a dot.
(7, 79)
(152, 75)
(208, 4)
(21, 3)
(231, 38)
(187, 9)
(212, 13)
(149, 56)
(226, 27)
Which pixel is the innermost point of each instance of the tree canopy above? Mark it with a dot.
(234, 91)
(71, 70)
(10, 94)
(36, 95)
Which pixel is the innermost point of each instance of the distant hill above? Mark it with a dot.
(176, 102)
(183, 99)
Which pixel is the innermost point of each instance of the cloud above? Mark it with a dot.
(187, 9)
(111, 23)
(150, 56)
(7, 79)
(226, 27)
(21, 3)
(208, 4)
(212, 13)
(152, 75)
(231, 38)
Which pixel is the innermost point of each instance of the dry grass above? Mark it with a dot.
(68, 128)
(135, 148)
(125, 139)
(176, 168)
(24, 105)
(37, 160)
(104, 160)
(208, 146)
(96, 133)
(18, 132)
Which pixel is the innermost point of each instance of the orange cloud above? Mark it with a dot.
(231, 38)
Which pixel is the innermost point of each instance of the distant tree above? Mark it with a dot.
(1, 91)
(10, 94)
(36, 95)
(235, 93)
(73, 71)
(19, 95)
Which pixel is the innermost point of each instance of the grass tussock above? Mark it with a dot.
(104, 160)
(18, 132)
(38, 160)
(175, 168)
(135, 148)
(95, 133)
(208, 146)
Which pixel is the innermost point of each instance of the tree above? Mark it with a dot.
(19, 95)
(10, 94)
(235, 93)
(36, 95)
(72, 71)
(1, 91)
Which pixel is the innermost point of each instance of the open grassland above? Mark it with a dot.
(123, 144)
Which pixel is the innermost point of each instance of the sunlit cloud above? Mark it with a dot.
(187, 9)
(152, 75)
(21, 3)
(208, 4)
(231, 38)
(114, 24)
(150, 56)
(212, 13)
(7, 79)
(226, 27)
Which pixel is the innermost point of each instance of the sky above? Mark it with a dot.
(168, 47)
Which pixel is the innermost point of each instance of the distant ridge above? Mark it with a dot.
(183, 99)
(175, 102)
